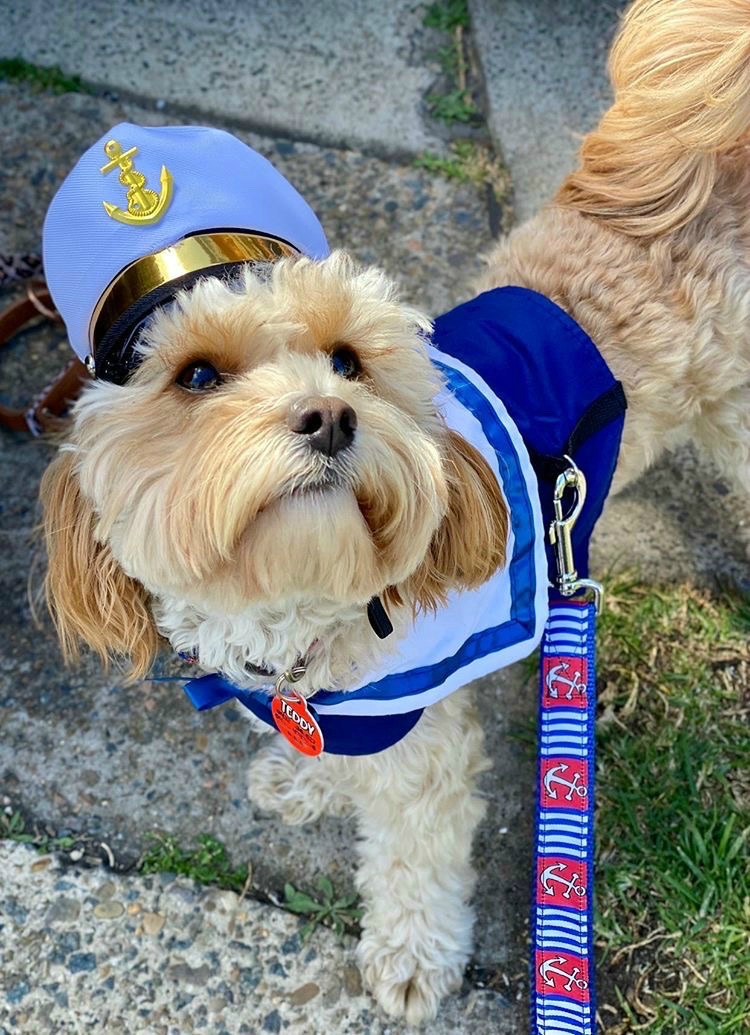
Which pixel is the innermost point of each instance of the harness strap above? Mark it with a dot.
(562, 953)
(607, 407)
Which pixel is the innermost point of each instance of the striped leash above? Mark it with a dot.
(562, 957)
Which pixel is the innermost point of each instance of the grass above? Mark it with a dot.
(13, 828)
(470, 163)
(447, 16)
(455, 104)
(208, 863)
(17, 70)
(673, 891)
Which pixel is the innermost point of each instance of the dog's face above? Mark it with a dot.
(279, 440)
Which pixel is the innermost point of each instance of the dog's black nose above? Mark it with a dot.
(328, 422)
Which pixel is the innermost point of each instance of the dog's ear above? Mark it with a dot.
(91, 599)
(470, 544)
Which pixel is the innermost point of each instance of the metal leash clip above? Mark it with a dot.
(560, 536)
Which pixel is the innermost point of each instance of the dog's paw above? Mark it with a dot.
(295, 787)
(407, 984)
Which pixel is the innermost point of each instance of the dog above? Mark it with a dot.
(270, 473)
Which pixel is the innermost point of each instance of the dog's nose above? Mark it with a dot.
(327, 421)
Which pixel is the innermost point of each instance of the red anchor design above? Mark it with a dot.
(548, 968)
(553, 873)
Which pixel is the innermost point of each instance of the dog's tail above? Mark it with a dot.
(680, 70)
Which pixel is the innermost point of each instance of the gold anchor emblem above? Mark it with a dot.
(144, 205)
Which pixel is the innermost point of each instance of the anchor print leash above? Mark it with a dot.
(562, 959)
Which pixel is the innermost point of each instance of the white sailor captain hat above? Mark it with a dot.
(148, 211)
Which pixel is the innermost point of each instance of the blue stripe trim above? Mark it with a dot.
(570, 1004)
(565, 941)
(571, 838)
(567, 911)
(570, 1010)
(566, 820)
(342, 734)
(555, 926)
(560, 833)
(560, 927)
(554, 845)
(572, 1015)
(564, 805)
(576, 940)
(557, 829)
(552, 943)
(568, 714)
(564, 1025)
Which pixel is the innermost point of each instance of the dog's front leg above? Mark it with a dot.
(298, 788)
(418, 809)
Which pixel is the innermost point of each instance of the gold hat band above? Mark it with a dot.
(190, 255)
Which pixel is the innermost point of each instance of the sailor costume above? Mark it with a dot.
(523, 384)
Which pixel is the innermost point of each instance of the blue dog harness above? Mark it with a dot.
(558, 397)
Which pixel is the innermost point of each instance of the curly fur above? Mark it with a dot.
(204, 518)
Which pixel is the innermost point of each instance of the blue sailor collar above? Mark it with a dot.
(488, 349)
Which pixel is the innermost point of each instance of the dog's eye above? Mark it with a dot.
(345, 362)
(199, 376)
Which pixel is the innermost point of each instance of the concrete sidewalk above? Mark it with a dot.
(82, 756)
(335, 95)
(348, 73)
(85, 950)
(544, 68)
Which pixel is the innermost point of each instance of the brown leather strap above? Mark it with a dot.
(44, 411)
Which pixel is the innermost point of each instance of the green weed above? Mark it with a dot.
(18, 70)
(338, 913)
(447, 16)
(454, 104)
(469, 163)
(13, 828)
(207, 864)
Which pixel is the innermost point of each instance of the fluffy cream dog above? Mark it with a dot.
(195, 503)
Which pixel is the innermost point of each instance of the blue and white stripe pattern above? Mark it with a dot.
(562, 1001)
(566, 631)
(560, 1018)
(563, 833)
(562, 732)
(560, 929)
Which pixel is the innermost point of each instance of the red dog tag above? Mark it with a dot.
(295, 722)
